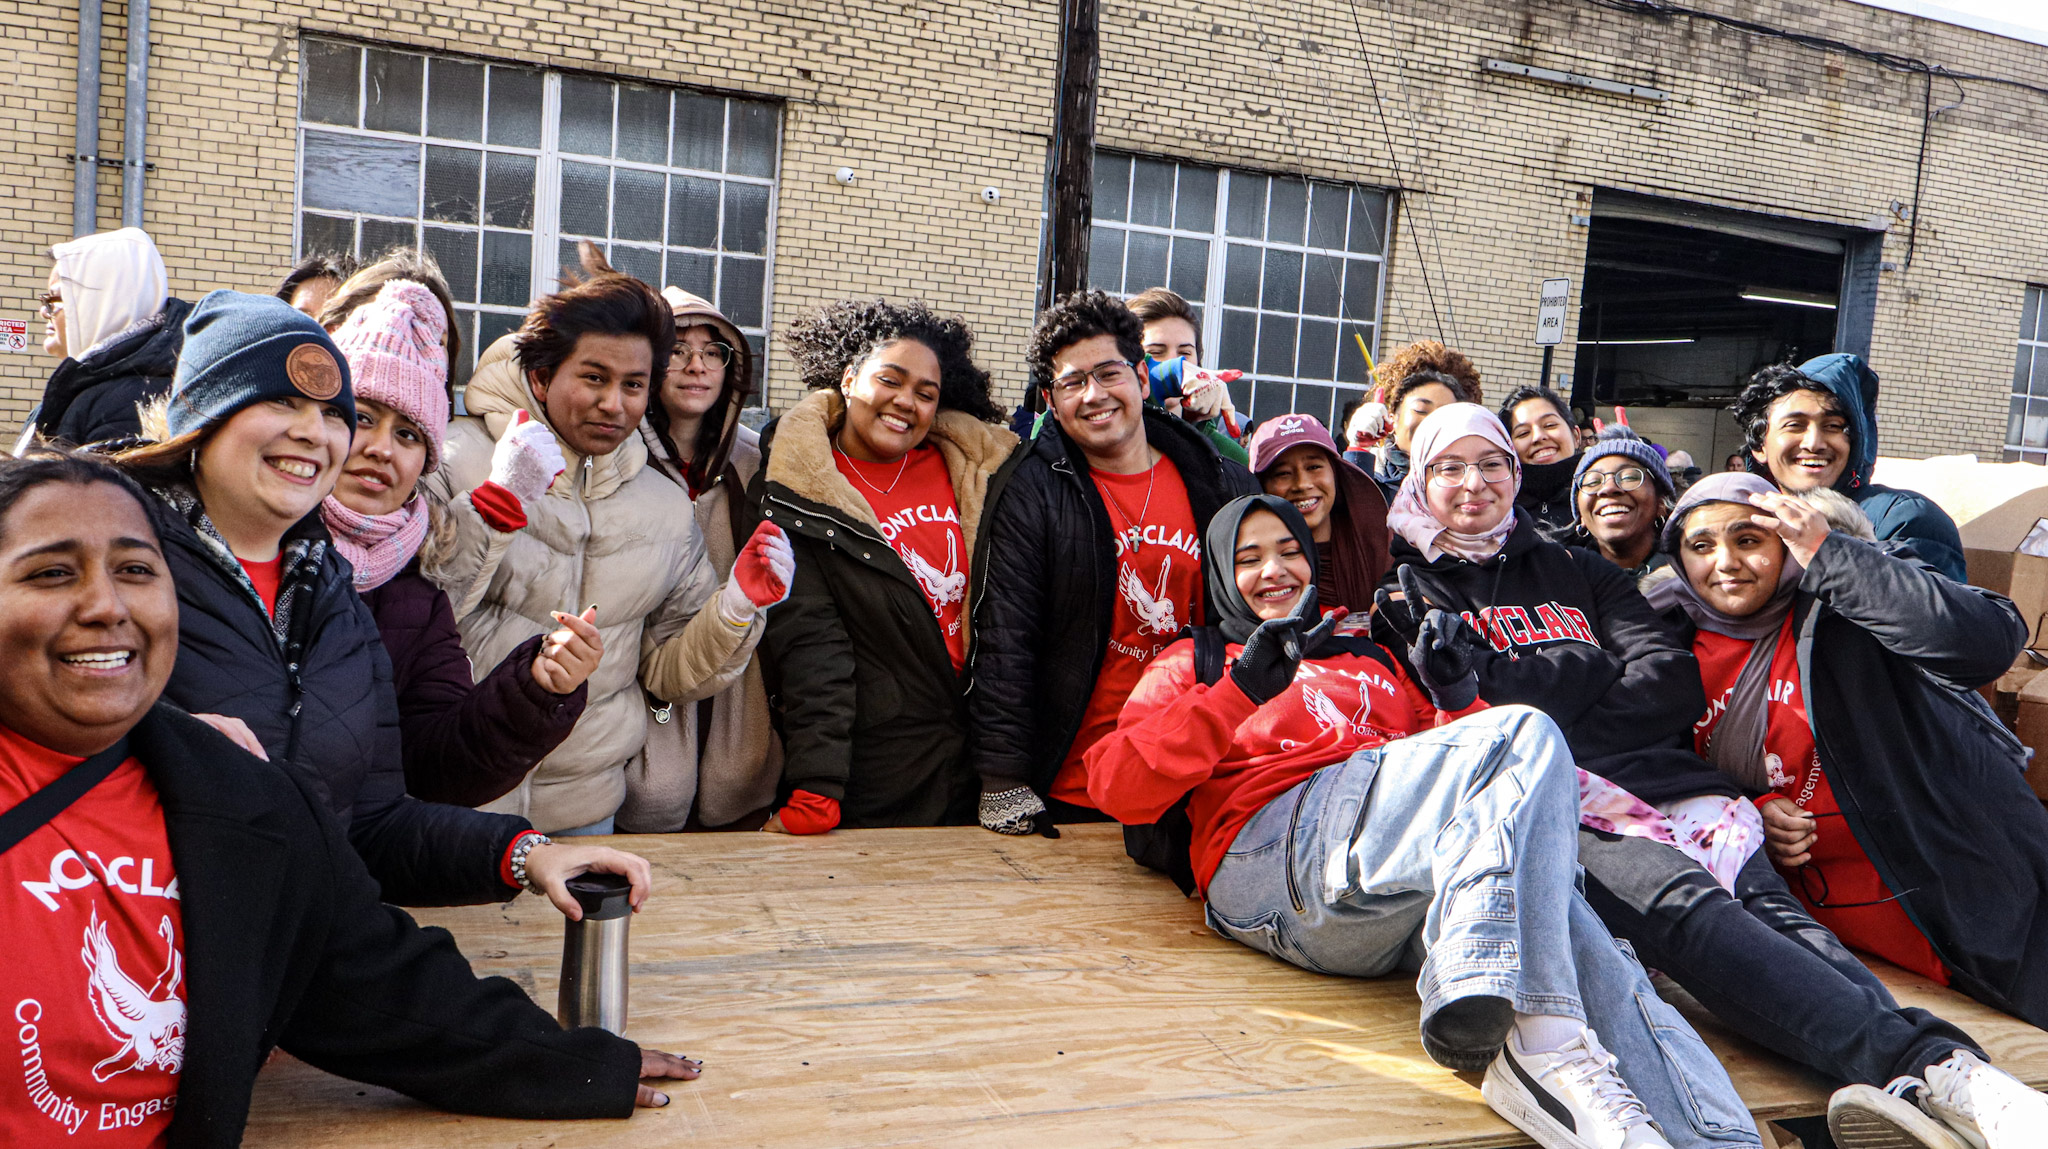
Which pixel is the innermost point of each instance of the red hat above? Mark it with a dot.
(1276, 435)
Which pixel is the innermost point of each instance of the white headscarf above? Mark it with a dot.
(1410, 516)
(112, 283)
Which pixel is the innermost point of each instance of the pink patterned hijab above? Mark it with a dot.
(1410, 516)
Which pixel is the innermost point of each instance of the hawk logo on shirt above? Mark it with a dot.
(1152, 608)
(149, 1023)
(940, 586)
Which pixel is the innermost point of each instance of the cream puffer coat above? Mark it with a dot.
(612, 532)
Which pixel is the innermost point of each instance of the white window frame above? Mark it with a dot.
(2029, 381)
(545, 233)
(1219, 240)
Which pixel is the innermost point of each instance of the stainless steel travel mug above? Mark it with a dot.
(594, 954)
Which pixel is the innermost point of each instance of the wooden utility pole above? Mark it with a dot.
(1073, 151)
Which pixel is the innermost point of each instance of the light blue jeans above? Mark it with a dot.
(1454, 853)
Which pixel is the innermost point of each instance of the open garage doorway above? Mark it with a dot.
(1683, 302)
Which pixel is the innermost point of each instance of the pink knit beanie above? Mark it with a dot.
(395, 355)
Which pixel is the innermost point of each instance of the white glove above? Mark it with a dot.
(761, 576)
(1207, 393)
(527, 459)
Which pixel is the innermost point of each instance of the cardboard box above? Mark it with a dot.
(1990, 543)
(2032, 727)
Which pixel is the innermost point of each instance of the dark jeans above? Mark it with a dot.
(1760, 962)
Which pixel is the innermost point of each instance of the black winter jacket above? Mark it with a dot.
(320, 698)
(1044, 591)
(864, 692)
(467, 741)
(1578, 642)
(1546, 497)
(93, 400)
(1932, 785)
(287, 947)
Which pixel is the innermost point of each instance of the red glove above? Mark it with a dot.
(808, 813)
(760, 575)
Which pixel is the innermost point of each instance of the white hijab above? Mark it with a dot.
(112, 283)
(1410, 516)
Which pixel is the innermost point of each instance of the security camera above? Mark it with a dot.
(991, 195)
(843, 175)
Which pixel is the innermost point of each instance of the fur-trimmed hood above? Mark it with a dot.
(800, 461)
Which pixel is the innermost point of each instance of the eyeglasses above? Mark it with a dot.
(1452, 472)
(714, 355)
(51, 303)
(1628, 479)
(1106, 376)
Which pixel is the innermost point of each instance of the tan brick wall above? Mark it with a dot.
(931, 102)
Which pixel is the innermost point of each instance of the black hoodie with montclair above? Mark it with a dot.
(1578, 642)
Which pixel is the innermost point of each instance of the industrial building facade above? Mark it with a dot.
(1323, 179)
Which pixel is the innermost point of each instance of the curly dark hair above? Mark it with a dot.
(1521, 395)
(844, 334)
(1082, 315)
(1752, 408)
(601, 301)
(1427, 361)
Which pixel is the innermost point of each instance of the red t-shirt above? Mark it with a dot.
(913, 500)
(93, 984)
(1839, 873)
(1158, 571)
(1177, 736)
(264, 576)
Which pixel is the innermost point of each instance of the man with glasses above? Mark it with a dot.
(1621, 494)
(1090, 566)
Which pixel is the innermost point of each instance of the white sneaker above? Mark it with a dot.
(1988, 1107)
(1571, 1098)
(1865, 1117)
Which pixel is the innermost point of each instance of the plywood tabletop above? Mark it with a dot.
(953, 987)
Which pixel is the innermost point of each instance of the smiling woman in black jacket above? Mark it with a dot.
(879, 476)
(169, 849)
(1565, 631)
(274, 635)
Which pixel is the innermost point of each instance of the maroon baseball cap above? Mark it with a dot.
(1277, 434)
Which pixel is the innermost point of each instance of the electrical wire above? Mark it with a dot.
(1394, 163)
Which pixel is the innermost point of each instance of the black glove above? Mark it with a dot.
(1402, 617)
(1273, 652)
(1447, 654)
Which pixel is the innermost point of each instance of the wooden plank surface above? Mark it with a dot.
(953, 987)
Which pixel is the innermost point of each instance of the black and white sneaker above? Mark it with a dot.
(1866, 1117)
(1570, 1098)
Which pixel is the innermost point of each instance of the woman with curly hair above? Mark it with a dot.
(879, 476)
(1416, 380)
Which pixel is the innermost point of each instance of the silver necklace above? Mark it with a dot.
(1131, 524)
(855, 467)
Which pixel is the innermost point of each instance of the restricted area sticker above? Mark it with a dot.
(14, 334)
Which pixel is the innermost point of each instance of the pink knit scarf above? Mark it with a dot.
(377, 546)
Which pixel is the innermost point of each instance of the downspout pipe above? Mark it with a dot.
(85, 160)
(135, 129)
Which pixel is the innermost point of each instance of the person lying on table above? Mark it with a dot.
(1342, 819)
(175, 908)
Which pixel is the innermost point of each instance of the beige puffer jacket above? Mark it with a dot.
(612, 532)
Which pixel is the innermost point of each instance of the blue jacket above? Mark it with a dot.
(1908, 516)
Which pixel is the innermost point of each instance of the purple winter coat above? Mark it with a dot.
(465, 743)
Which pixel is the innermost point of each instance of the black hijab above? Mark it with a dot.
(1232, 614)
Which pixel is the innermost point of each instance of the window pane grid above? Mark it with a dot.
(481, 149)
(1285, 272)
(2026, 433)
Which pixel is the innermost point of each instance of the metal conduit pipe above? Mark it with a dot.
(135, 128)
(85, 160)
